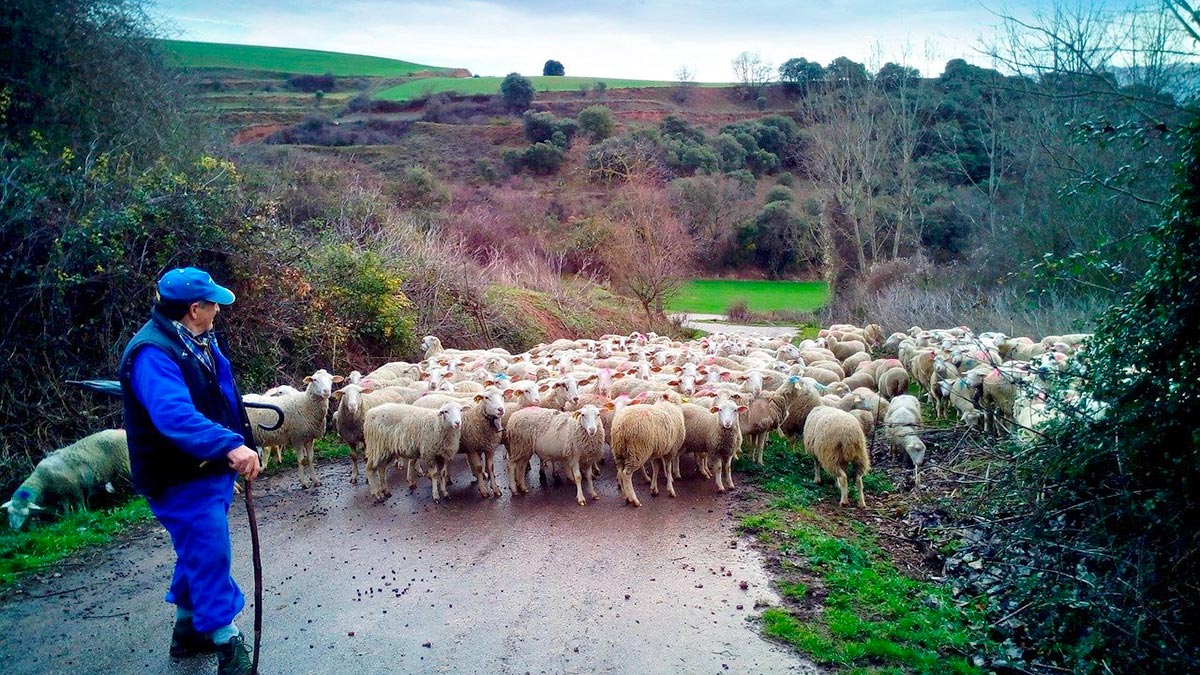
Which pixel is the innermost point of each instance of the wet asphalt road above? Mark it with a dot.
(535, 584)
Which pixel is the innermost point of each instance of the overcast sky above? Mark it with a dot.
(647, 39)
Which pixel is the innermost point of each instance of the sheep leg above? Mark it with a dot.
(625, 476)
(843, 487)
(373, 480)
(675, 461)
(590, 469)
(411, 474)
(729, 472)
(816, 471)
(720, 472)
(653, 477)
(668, 462)
(645, 475)
(705, 467)
(475, 461)
(513, 467)
(862, 501)
(576, 476)
(299, 450)
(312, 463)
(355, 455)
(435, 476)
(489, 463)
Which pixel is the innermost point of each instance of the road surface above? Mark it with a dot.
(535, 584)
(713, 323)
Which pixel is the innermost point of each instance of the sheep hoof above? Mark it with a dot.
(354, 480)
(582, 502)
(720, 490)
(303, 486)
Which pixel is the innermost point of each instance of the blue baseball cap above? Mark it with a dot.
(188, 284)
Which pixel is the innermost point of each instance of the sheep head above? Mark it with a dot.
(589, 418)
(20, 507)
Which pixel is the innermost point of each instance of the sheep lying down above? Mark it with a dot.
(70, 475)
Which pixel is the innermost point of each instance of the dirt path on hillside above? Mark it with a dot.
(714, 323)
(530, 585)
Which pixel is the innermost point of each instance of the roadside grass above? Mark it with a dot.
(851, 610)
(286, 60)
(491, 85)
(44, 543)
(714, 296)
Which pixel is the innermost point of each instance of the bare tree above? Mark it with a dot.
(751, 72)
(685, 82)
(650, 253)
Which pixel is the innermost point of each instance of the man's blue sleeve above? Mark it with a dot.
(158, 384)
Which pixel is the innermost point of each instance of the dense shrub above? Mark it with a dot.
(544, 127)
(312, 84)
(540, 158)
(517, 92)
(596, 122)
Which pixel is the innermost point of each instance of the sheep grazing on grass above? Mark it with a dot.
(398, 431)
(714, 433)
(901, 424)
(568, 439)
(837, 441)
(892, 382)
(354, 401)
(304, 414)
(643, 433)
(481, 429)
(71, 475)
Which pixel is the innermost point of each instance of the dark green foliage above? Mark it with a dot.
(799, 75)
(596, 121)
(1114, 531)
(843, 72)
(544, 127)
(540, 158)
(553, 68)
(517, 92)
(893, 76)
(312, 83)
(779, 193)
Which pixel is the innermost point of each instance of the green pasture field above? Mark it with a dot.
(286, 60)
(491, 85)
(713, 296)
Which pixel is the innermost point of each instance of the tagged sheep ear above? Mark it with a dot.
(714, 410)
(337, 395)
(338, 379)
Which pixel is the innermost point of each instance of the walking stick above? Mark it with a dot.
(258, 585)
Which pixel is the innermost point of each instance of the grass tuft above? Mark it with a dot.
(45, 544)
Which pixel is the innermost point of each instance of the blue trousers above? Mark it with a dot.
(196, 514)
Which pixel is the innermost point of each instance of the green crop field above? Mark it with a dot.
(284, 60)
(713, 296)
(491, 85)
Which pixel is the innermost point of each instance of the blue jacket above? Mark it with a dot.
(178, 413)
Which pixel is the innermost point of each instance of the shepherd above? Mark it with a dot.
(189, 439)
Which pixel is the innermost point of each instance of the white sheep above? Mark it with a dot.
(71, 474)
(714, 433)
(482, 425)
(566, 438)
(901, 425)
(354, 401)
(836, 439)
(398, 431)
(643, 433)
(304, 416)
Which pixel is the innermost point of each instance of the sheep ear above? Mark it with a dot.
(478, 398)
(714, 409)
(337, 395)
(674, 383)
(7, 504)
(366, 390)
(338, 379)
(656, 369)
(742, 408)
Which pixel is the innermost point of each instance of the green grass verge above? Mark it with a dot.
(872, 618)
(45, 543)
(48, 543)
(491, 85)
(286, 60)
(713, 296)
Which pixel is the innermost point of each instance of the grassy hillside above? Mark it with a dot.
(491, 85)
(713, 296)
(285, 60)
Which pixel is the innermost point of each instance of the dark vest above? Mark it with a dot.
(155, 462)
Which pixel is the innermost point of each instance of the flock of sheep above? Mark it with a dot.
(644, 401)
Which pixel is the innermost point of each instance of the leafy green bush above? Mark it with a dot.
(517, 92)
(596, 122)
(544, 127)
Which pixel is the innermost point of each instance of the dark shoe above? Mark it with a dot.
(187, 641)
(233, 657)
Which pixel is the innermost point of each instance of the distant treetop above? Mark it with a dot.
(553, 67)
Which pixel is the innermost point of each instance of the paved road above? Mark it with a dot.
(535, 584)
(710, 323)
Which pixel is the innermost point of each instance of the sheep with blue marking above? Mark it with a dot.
(71, 475)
